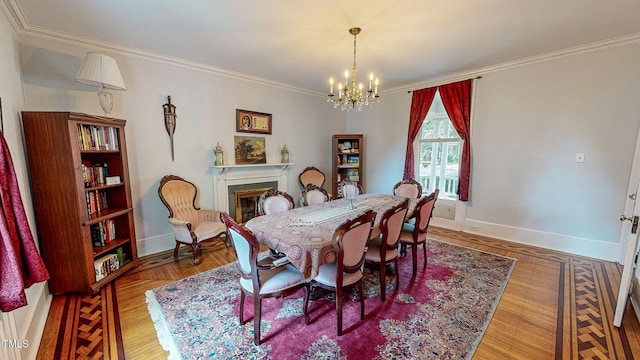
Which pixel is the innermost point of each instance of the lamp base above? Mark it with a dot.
(106, 100)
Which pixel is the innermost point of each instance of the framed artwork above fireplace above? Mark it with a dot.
(250, 150)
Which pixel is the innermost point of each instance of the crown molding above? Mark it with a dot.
(596, 46)
(14, 13)
(16, 18)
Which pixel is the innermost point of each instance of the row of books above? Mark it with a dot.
(96, 137)
(103, 232)
(94, 174)
(353, 160)
(109, 263)
(352, 175)
(96, 201)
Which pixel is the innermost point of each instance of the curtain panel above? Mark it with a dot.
(456, 98)
(20, 262)
(420, 103)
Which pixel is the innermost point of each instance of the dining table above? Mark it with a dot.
(304, 234)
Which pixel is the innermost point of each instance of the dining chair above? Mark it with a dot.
(414, 234)
(349, 243)
(190, 224)
(274, 201)
(313, 194)
(347, 187)
(409, 188)
(262, 278)
(383, 249)
(311, 175)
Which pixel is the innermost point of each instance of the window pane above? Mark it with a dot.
(439, 164)
(437, 124)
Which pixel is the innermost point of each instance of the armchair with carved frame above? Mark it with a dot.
(190, 224)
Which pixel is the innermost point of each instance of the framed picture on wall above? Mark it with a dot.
(253, 122)
(250, 150)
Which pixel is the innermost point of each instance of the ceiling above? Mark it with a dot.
(301, 44)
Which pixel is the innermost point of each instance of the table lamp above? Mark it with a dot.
(102, 71)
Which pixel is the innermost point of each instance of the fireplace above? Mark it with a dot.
(249, 181)
(243, 200)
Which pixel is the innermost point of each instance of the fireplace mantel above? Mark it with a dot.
(224, 168)
(230, 175)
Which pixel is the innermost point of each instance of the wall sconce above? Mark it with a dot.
(217, 151)
(285, 154)
(103, 71)
(170, 121)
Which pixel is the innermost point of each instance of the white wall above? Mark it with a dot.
(25, 323)
(206, 103)
(528, 124)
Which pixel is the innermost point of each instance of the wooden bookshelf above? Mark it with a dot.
(70, 155)
(348, 160)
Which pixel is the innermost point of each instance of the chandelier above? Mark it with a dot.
(350, 95)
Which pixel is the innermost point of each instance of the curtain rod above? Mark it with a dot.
(477, 77)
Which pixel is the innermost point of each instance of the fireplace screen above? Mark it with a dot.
(247, 204)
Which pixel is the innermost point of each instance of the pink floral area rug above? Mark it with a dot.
(441, 313)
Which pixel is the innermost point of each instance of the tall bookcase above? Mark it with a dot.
(82, 199)
(348, 160)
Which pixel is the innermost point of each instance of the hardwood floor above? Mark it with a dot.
(555, 306)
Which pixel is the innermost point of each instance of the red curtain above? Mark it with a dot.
(420, 104)
(456, 98)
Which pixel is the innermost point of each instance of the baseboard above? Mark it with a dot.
(597, 249)
(155, 244)
(40, 303)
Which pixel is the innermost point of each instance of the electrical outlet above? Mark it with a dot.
(474, 228)
(579, 157)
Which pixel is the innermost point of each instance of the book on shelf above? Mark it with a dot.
(103, 232)
(352, 175)
(105, 265)
(94, 174)
(96, 201)
(96, 137)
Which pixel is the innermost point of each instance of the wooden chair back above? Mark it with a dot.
(409, 188)
(313, 194)
(311, 175)
(274, 201)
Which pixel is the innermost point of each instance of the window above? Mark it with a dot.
(439, 149)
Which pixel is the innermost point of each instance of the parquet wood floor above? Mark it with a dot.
(555, 306)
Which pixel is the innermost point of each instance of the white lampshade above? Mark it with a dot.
(100, 70)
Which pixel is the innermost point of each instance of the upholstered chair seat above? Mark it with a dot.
(373, 251)
(408, 229)
(274, 279)
(328, 274)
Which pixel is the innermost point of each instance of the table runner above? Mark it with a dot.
(330, 213)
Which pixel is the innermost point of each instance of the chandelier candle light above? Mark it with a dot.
(351, 95)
